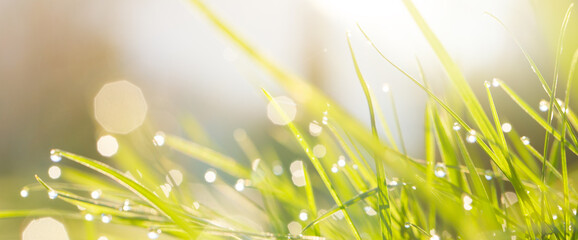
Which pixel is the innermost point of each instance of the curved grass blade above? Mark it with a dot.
(383, 198)
(208, 156)
(136, 188)
(316, 163)
(534, 115)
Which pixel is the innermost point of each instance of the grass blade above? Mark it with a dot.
(135, 187)
(383, 198)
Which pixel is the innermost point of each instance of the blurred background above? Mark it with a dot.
(57, 56)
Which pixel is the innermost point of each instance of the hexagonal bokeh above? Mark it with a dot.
(120, 107)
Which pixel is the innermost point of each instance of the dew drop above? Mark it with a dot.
(434, 237)
(525, 140)
(544, 105)
(414, 187)
(355, 166)
(489, 175)
(407, 225)
(369, 211)
(303, 216)
(496, 82)
(471, 137)
(154, 233)
(440, 170)
(52, 194)
(159, 139)
(507, 127)
(554, 216)
(240, 185)
(334, 168)
(102, 238)
(105, 218)
(126, 206)
(341, 161)
(487, 84)
(324, 120)
(55, 155)
(467, 200)
(392, 183)
(574, 211)
(457, 126)
(24, 192)
(210, 176)
(96, 194)
(88, 217)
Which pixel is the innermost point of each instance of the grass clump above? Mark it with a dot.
(355, 185)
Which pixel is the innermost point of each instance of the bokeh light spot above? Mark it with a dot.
(107, 146)
(120, 107)
(54, 172)
(289, 111)
(45, 228)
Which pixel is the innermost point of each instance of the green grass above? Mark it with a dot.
(476, 182)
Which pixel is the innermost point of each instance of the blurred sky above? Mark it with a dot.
(56, 55)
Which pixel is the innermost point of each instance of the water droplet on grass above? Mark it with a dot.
(467, 202)
(154, 233)
(126, 206)
(471, 137)
(55, 155)
(525, 140)
(159, 139)
(496, 82)
(369, 211)
(487, 84)
(105, 218)
(457, 126)
(52, 194)
(440, 170)
(88, 217)
(334, 168)
(210, 176)
(240, 185)
(303, 216)
(544, 105)
(507, 127)
(489, 175)
(341, 161)
(407, 225)
(102, 238)
(96, 194)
